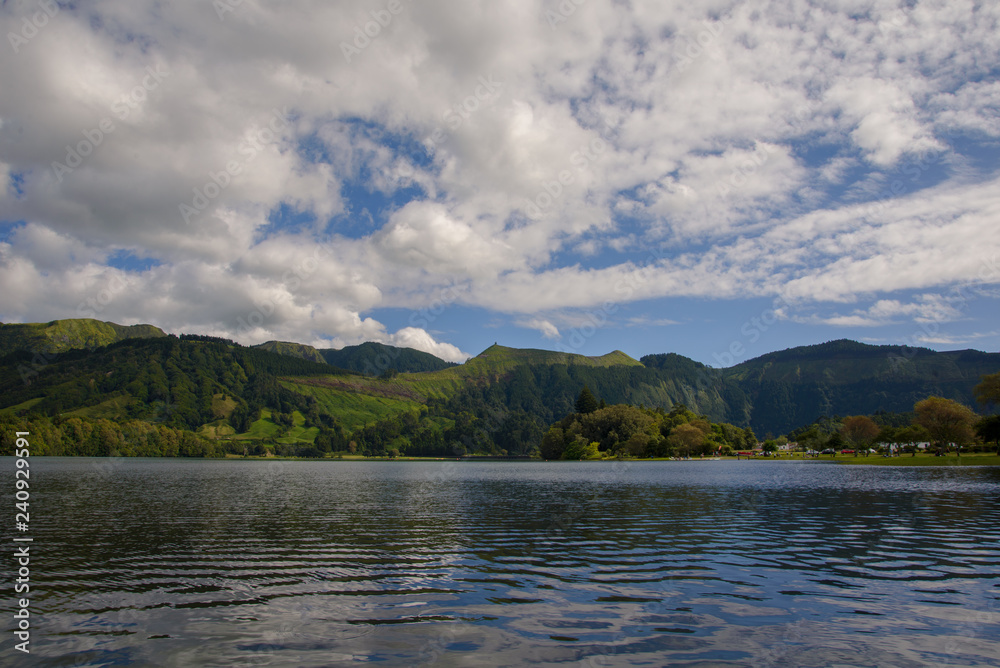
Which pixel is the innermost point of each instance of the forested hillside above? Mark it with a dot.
(62, 335)
(182, 382)
(375, 359)
(501, 401)
(787, 389)
(292, 349)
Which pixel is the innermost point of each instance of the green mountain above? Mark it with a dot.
(62, 335)
(159, 379)
(193, 395)
(504, 399)
(375, 359)
(786, 389)
(498, 358)
(299, 350)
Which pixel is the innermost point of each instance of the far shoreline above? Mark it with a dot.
(930, 461)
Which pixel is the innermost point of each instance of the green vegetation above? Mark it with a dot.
(299, 350)
(789, 388)
(988, 390)
(948, 422)
(74, 436)
(377, 359)
(349, 402)
(988, 431)
(594, 432)
(38, 343)
(925, 460)
(286, 398)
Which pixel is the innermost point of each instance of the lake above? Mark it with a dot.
(164, 562)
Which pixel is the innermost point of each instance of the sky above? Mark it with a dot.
(717, 179)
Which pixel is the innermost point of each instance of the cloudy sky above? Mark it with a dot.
(718, 179)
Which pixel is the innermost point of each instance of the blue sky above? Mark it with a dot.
(717, 179)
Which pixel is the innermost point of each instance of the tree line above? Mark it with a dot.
(81, 437)
(596, 430)
(943, 423)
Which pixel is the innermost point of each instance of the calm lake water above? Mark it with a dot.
(150, 562)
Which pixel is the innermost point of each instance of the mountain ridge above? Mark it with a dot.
(203, 383)
(57, 336)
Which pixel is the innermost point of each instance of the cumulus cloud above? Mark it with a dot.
(414, 337)
(926, 309)
(281, 185)
(546, 328)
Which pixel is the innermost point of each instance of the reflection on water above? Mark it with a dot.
(245, 563)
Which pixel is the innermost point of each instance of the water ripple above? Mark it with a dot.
(191, 563)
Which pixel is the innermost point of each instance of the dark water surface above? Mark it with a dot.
(151, 562)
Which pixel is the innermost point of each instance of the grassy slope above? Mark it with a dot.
(356, 400)
(302, 350)
(62, 335)
(502, 358)
(111, 409)
(266, 430)
(969, 459)
(23, 406)
(352, 407)
(374, 358)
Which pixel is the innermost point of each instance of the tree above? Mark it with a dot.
(586, 403)
(685, 438)
(836, 442)
(910, 436)
(988, 429)
(946, 421)
(859, 431)
(580, 449)
(553, 444)
(988, 390)
(887, 434)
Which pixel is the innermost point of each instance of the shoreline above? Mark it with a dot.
(968, 460)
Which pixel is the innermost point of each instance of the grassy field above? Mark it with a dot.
(967, 459)
(977, 459)
(919, 460)
(14, 410)
(354, 409)
(109, 410)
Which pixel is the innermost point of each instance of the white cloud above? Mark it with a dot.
(928, 308)
(712, 140)
(547, 329)
(413, 337)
